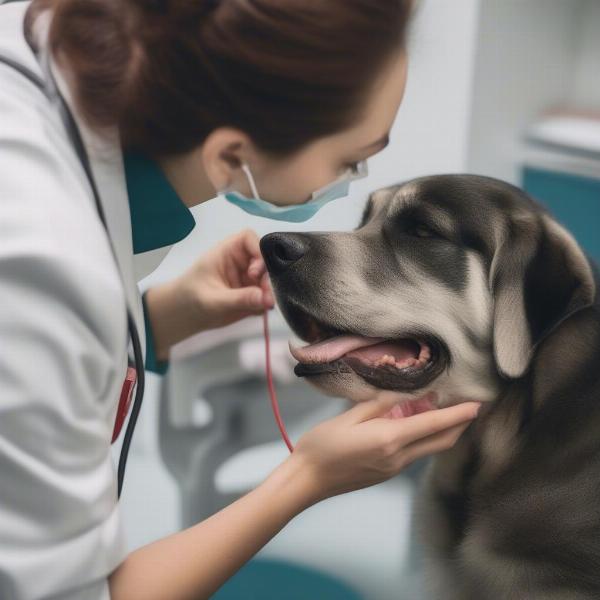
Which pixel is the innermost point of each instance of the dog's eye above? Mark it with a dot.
(423, 231)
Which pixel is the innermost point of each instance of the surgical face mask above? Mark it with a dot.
(297, 212)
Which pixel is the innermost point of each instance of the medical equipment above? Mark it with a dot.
(135, 372)
(274, 403)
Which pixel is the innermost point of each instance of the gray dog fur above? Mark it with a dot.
(508, 299)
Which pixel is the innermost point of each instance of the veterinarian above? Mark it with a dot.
(116, 117)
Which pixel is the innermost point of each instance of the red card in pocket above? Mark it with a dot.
(124, 401)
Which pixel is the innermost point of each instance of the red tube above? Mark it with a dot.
(274, 403)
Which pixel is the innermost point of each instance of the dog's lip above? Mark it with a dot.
(342, 355)
(408, 378)
(344, 363)
(407, 354)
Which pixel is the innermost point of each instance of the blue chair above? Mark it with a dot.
(262, 579)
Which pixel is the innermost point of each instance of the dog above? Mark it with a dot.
(456, 288)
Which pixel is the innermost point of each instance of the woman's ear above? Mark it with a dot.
(539, 277)
(223, 152)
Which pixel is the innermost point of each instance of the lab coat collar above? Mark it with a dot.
(159, 216)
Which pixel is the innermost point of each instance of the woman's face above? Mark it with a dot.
(292, 180)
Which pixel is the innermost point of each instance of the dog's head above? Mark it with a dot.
(448, 284)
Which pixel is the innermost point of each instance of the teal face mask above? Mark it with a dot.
(297, 212)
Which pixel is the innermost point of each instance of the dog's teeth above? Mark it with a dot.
(386, 359)
(410, 362)
(425, 352)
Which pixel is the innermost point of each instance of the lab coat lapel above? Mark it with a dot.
(107, 165)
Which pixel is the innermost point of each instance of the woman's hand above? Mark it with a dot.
(229, 282)
(360, 447)
(224, 285)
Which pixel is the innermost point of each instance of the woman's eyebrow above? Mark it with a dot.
(382, 141)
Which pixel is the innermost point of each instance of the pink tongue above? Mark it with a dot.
(367, 349)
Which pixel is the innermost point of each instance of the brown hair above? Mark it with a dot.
(168, 72)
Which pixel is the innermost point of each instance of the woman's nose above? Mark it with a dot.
(280, 250)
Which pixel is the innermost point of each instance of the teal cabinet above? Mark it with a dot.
(573, 199)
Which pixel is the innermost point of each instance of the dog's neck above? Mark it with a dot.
(534, 415)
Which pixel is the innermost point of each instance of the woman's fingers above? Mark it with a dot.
(252, 260)
(252, 256)
(251, 243)
(399, 433)
(265, 284)
(236, 252)
(411, 429)
(438, 442)
(370, 409)
(242, 259)
(233, 275)
(250, 267)
(257, 268)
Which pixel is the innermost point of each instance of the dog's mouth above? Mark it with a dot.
(405, 363)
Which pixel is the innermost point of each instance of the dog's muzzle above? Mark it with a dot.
(407, 361)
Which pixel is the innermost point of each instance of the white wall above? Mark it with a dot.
(586, 93)
(526, 60)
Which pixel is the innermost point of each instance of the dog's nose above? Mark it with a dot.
(280, 250)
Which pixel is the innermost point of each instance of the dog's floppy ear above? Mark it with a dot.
(539, 276)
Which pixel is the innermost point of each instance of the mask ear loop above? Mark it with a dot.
(349, 174)
(246, 170)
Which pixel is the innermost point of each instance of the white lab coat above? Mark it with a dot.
(63, 341)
